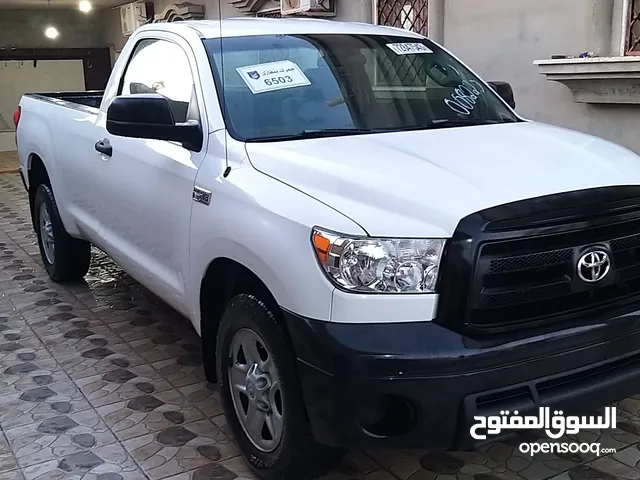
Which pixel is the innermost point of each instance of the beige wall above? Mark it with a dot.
(49, 75)
(25, 28)
(502, 39)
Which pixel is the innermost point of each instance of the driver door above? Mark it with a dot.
(146, 186)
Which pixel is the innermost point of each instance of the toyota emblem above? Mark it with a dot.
(593, 266)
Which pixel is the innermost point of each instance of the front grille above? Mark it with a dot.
(515, 266)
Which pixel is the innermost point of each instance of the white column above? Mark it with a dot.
(435, 16)
(601, 19)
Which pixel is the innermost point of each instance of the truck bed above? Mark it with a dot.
(72, 99)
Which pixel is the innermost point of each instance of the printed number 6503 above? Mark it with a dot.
(278, 80)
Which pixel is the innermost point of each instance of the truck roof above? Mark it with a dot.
(249, 26)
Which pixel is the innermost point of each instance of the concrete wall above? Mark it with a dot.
(112, 32)
(25, 28)
(348, 10)
(502, 39)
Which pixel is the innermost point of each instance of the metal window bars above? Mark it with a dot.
(633, 28)
(407, 14)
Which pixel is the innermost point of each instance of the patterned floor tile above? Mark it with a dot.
(17, 376)
(239, 467)
(79, 340)
(25, 341)
(205, 397)
(142, 324)
(163, 346)
(11, 475)
(148, 413)
(184, 370)
(181, 448)
(98, 360)
(212, 471)
(108, 462)
(58, 437)
(40, 403)
(611, 466)
(629, 456)
(63, 323)
(121, 384)
(8, 462)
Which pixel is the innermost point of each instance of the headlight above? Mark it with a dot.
(379, 265)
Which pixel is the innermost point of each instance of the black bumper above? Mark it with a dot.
(418, 385)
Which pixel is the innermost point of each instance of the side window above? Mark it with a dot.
(160, 66)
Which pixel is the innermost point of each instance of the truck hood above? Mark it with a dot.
(422, 183)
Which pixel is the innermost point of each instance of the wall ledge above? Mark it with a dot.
(613, 80)
(180, 11)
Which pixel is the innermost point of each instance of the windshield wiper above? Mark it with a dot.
(313, 133)
(337, 132)
(463, 122)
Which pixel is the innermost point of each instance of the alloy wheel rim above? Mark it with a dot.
(256, 391)
(46, 234)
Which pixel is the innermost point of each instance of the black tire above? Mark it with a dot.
(297, 456)
(71, 257)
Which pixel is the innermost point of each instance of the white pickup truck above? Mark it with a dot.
(372, 244)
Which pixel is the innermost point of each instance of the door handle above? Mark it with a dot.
(104, 147)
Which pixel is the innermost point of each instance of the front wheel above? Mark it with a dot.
(261, 395)
(65, 258)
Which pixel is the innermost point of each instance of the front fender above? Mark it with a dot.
(265, 226)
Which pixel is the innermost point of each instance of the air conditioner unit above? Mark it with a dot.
(293, 7)
(132, 16)
(321, 8)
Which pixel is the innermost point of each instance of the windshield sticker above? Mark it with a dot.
(409, 48)
(464, 97)
(267, 77)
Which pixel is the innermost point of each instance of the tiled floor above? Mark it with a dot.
(8, 162)
(101, 381)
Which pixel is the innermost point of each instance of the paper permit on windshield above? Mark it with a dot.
(267, 77)
(409, 48)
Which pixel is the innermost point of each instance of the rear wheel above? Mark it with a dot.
(65, 258)
(261, 395)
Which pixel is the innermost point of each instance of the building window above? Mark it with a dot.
(407, 14)
(633, 27)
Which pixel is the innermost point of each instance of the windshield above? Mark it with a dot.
(274, 87)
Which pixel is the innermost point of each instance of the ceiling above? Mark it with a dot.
(58, 3)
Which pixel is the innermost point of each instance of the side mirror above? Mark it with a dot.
(505, 91)
(150, 116)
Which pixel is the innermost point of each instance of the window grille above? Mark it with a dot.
(633, 28)
(407, 14)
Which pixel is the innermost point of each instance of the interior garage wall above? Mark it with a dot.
(25, 28)
(49, 75)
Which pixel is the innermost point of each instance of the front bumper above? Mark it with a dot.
(419, 385)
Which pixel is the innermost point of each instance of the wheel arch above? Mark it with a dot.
(224, 278)
(37, 174)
